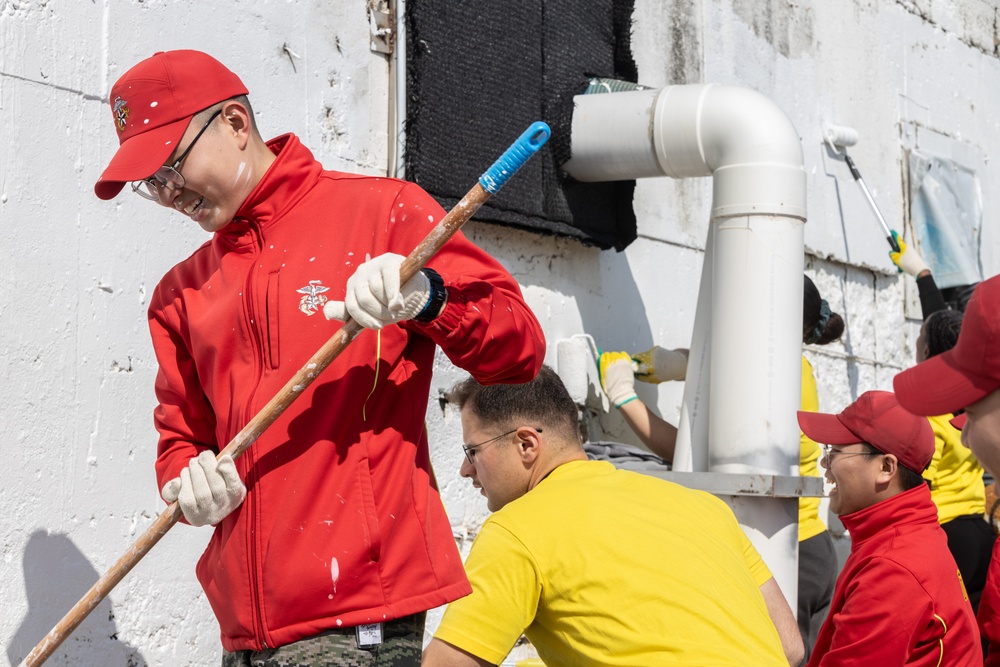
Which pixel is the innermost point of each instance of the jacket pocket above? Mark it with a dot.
(373, 534)
(273, 351)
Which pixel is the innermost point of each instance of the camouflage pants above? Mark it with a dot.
(402, 642)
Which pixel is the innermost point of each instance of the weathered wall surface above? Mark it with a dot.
(78, 370)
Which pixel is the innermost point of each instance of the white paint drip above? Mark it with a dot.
(239, 172)
(153, 104)
(334, 573)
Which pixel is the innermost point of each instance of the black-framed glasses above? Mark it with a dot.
(167, 176)
(472, 450)
(829, 453)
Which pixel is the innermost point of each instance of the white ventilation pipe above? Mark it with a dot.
(744, 373)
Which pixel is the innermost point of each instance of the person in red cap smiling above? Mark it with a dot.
(330, 539)
(899, 599)
(967, 377)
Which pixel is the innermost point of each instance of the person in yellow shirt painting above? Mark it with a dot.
(954, 475)
(817, 558)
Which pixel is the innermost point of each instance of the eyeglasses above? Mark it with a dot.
(829, 452)
(472, 450)
(167, 176)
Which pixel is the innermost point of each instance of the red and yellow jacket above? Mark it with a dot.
(342, 524)
(899, 599)
(989, 609)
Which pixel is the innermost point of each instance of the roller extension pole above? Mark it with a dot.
(871, 202)
(489, 183)
(837, 136)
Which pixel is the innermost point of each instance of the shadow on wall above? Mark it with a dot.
(56, 576)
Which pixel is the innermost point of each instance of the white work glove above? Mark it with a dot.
(374, 298)
(907, 259)
(617, 377)
(657, 365)
(207, 490)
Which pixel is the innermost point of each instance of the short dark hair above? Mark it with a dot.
(543, 403)
(941, 329)
(910, 478)
(203, 115)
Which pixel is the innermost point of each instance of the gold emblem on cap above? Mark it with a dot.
(120, 109)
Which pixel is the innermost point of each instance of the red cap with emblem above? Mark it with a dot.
(153, 103)
(878, 419)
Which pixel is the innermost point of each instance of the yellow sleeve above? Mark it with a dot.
(506, 586)
(810, 396)
(809, 451)
(930, 474)
(758, 568)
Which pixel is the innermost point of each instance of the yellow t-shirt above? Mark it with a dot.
(600, 566)
(954, 473)
(810, 524)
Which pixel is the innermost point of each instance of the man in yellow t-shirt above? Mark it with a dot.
(598, 566)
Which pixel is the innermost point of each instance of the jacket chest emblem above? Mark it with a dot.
(312, 297)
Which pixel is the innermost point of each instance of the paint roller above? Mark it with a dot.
(839, 136)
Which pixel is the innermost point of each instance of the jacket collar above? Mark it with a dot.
(292, 174)
(907, 508)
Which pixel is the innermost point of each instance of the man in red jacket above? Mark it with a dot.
(968, 377)
(330, 538)
(900, 599)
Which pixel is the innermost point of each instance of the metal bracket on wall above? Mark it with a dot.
(381, 23)
(729, 484)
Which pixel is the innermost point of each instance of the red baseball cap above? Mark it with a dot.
(153, 103)
(879, 420)
(967, 372)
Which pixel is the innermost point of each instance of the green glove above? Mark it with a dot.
(657, 365)
(617, 377)
(907, 260)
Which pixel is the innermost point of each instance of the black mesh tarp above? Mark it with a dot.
(478, 73)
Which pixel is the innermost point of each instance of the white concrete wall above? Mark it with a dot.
(78, 370)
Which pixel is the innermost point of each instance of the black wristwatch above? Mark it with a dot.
(438, 296)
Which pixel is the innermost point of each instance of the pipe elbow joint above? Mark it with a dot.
(736, 135)
(739, 137)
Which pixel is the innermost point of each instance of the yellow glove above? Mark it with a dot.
(908, 260)
(657, 365)
(617, 379)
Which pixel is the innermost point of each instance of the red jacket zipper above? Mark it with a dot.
(253, 542)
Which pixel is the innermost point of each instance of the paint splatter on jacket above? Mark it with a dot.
(342, 524)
